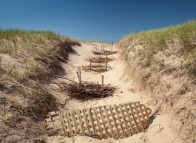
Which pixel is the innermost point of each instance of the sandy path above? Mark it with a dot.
(158, 132)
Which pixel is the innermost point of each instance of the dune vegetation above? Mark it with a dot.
(163, 63)
(36, 52)
(161, 40)
(28, 60)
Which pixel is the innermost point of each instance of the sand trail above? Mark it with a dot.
(158, 132)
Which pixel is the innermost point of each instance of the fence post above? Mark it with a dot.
(79, 77)
(102, 80)
(90, 65)
(106, 65)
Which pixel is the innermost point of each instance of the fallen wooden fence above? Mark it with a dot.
(110, 121)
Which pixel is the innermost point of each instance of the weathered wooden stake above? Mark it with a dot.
(79, 77)
(106, 65)
(102, 79)
(90, 65)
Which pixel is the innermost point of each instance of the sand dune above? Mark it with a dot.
(159, 131)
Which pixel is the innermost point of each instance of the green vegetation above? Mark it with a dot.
(160, 40)
(28, 59)
(163, 62)
(36, 50)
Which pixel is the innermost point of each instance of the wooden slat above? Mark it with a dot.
(81, 129)
(119, 119)
(134, 119)
(62, 122)
(141, 126)
(130, 120)
(74, 122)
(127, 132)
(98, 123)
(113, 132)
(86, 121)
(69, 124)
(105, 134)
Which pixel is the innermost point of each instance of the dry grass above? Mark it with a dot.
(155, 41)
(163, 62)
(37, 52)
(28, 59)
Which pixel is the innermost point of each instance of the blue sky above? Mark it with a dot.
(97, 20)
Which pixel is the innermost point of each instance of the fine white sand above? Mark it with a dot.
(159, 131)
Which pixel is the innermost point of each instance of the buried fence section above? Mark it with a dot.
(102, 66)
(114, 121)
(98, 64)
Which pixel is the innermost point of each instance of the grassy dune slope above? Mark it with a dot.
(163, 63)
(33, 52)
(28, 59)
